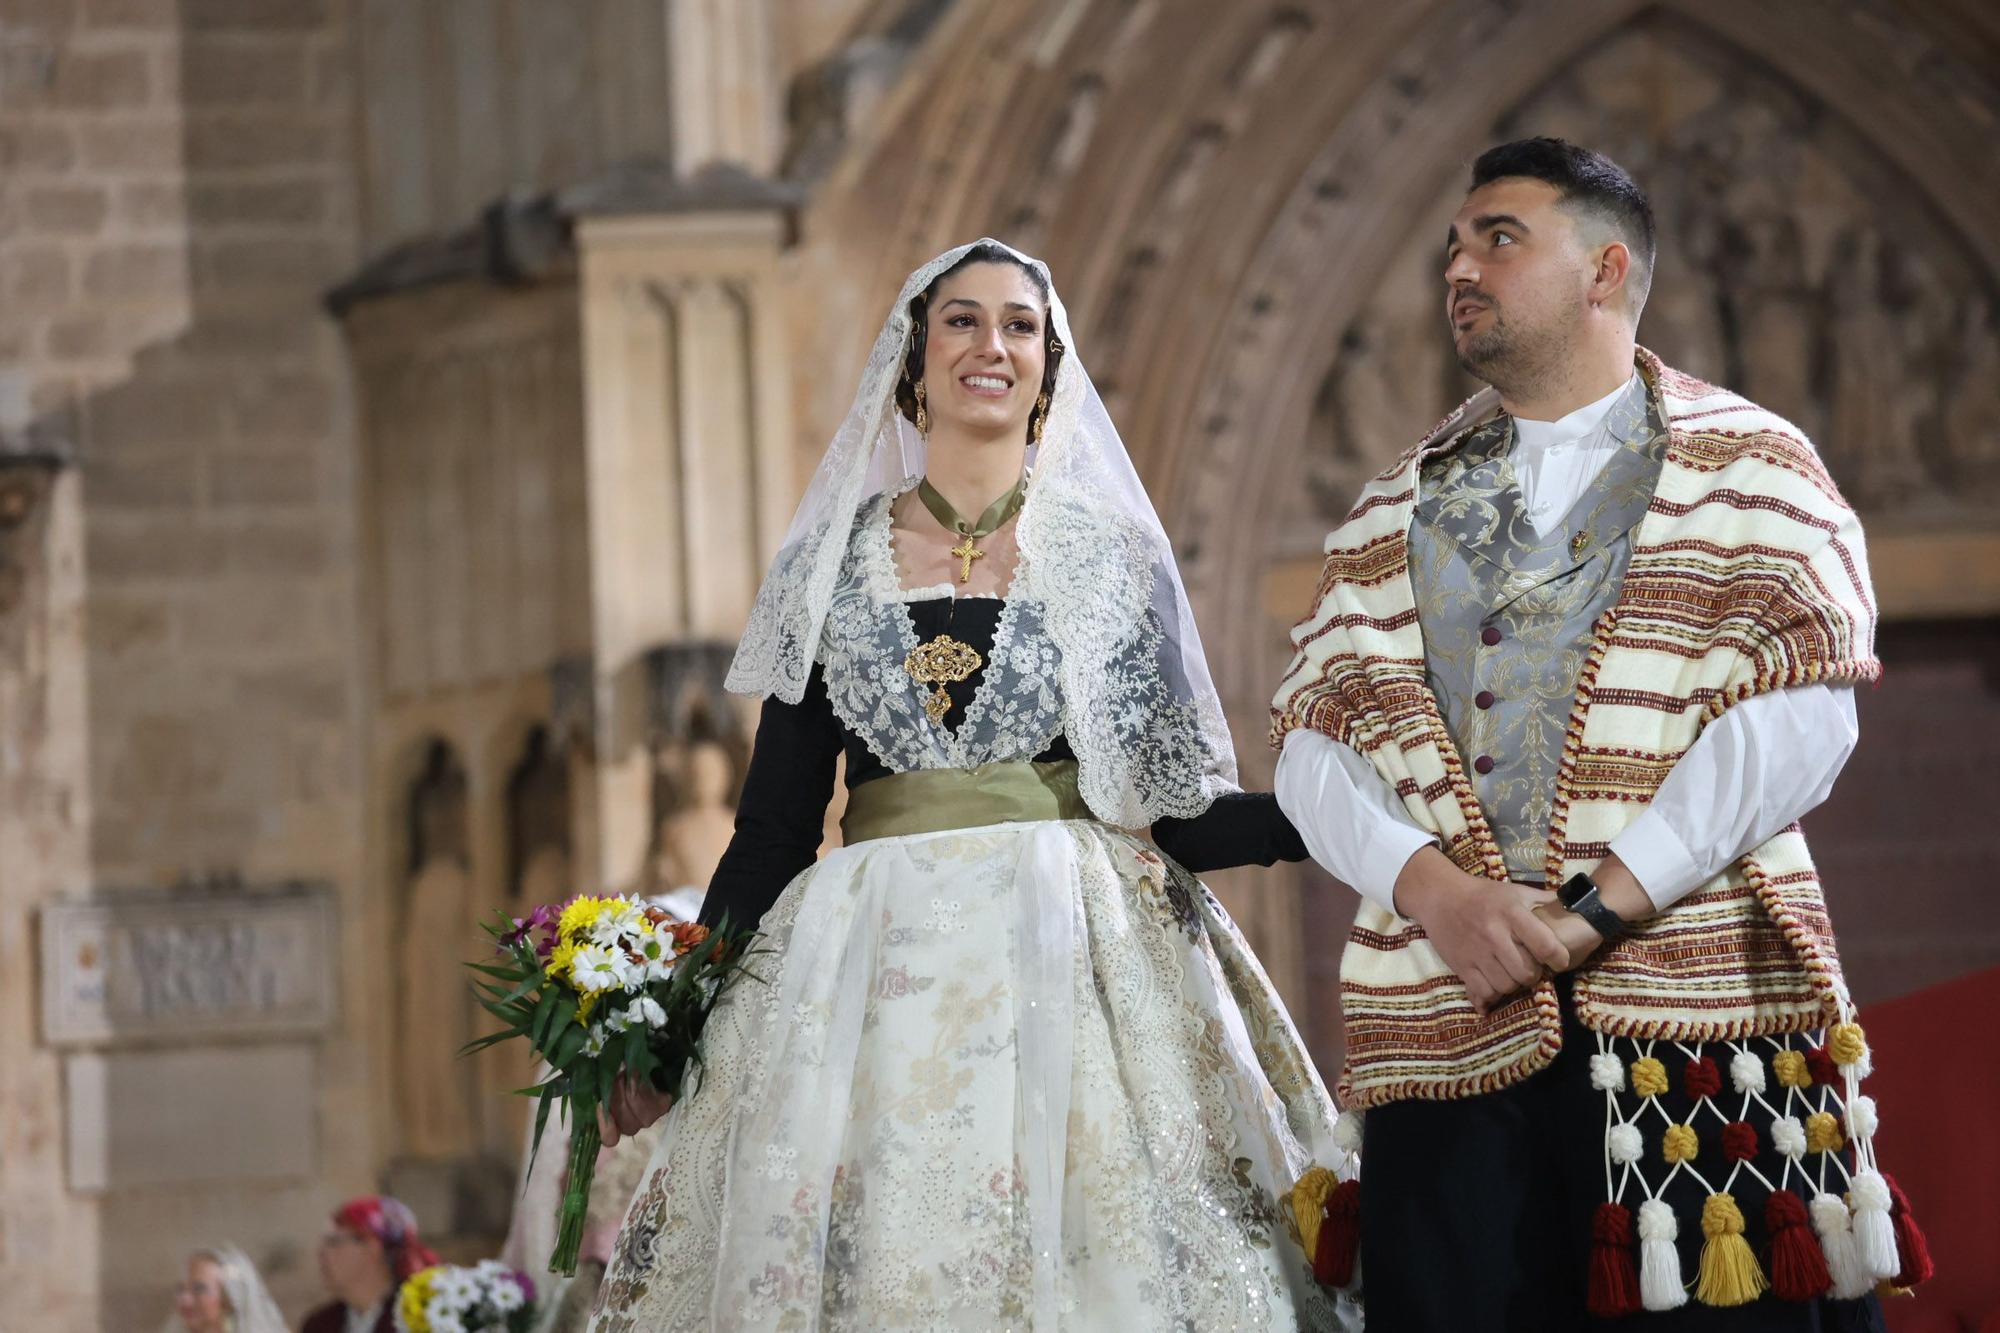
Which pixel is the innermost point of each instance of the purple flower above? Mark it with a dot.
(526, 1284)
(542, 918)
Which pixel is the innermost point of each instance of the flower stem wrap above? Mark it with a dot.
(584, 1141)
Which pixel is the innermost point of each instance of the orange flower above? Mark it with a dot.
(687, 934)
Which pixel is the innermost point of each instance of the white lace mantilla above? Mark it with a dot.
(1097, 640)
(1015, 712)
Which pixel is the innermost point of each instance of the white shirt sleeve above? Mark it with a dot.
(1752, 771)
(1351, 820)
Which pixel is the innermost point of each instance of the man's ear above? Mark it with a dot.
(1614, 266)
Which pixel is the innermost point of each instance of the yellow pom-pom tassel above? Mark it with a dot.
(1823, 1133)
(1649, 1077)
(1790, 1067)
(1308, 1203)
(1846, 1043)
(1680, 1143)
(1729, 1272)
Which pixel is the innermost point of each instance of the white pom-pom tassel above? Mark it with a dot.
(1659, 1265)
(1746, 1072)
(1624, 1142)
(1607, 1072)
(1347, 1132)
(1865, 1066)
(1861, 1119)
(1851, 1279)
(1788, 1136)
(1874, 1233)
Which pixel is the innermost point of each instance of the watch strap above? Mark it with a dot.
(1589, 904)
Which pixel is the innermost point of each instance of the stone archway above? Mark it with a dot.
(1217, 239)
(1243, 248)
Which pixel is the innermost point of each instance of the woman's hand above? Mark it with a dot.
(633, 1106)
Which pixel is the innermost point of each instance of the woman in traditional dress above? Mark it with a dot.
(1004, 1065)
(224, 1294)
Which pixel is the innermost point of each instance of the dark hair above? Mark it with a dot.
(1588, 183)
(913, 357)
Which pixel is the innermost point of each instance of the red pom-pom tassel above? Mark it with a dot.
(1701, 1077)
(1798, 1264)
(1910, 1243)
(1739, 1141)
(1819, 1062)
(1614, 1269)
(1339, 1236)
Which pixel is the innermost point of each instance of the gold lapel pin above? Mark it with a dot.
(1579, 543)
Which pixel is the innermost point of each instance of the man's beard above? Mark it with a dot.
(1511, 361)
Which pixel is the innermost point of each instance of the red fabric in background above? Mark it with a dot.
(1937, 1084)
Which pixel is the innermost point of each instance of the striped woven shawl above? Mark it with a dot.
(1748, 574)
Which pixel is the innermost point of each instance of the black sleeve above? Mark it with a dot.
(782, 812)
(1243, 828)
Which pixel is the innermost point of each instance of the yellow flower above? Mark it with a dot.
(581, 915)
(562, 962)
(585, 1004)
(415, 1298)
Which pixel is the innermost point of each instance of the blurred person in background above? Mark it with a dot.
(223, 1293)
(363, 1258)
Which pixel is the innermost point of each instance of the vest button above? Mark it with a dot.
(1484, 763)
(1490, 635)
(1484, 698)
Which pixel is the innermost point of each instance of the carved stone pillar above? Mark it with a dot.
(575, 466)
(686, 416)
(48, 1232)
(724, 84)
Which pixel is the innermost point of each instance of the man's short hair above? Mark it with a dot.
(1588, 183)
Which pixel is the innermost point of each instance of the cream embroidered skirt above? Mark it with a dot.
(1021, 1076)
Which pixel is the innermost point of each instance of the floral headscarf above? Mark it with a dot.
(391, 1222)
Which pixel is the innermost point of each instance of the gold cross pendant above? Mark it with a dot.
(966, 553)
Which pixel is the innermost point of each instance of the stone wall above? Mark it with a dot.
(177, 183)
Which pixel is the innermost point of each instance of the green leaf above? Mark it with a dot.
(568, 1045)
(521, 991)
(479, 1044)
(545, 1012)
(541, 1122)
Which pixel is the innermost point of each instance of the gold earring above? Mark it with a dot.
(923, 414)
(1041, 416)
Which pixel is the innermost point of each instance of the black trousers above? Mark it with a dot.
(1476, 1213)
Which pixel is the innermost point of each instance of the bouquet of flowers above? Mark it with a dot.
(489, 1297)
(602, 987)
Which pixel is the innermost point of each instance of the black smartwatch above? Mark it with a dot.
(1580, 896)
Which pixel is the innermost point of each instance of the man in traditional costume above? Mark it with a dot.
(1577, 664)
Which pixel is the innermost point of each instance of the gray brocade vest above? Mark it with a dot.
(1507, 615)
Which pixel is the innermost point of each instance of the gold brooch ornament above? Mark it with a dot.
(1578, 544)
(941, 662)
